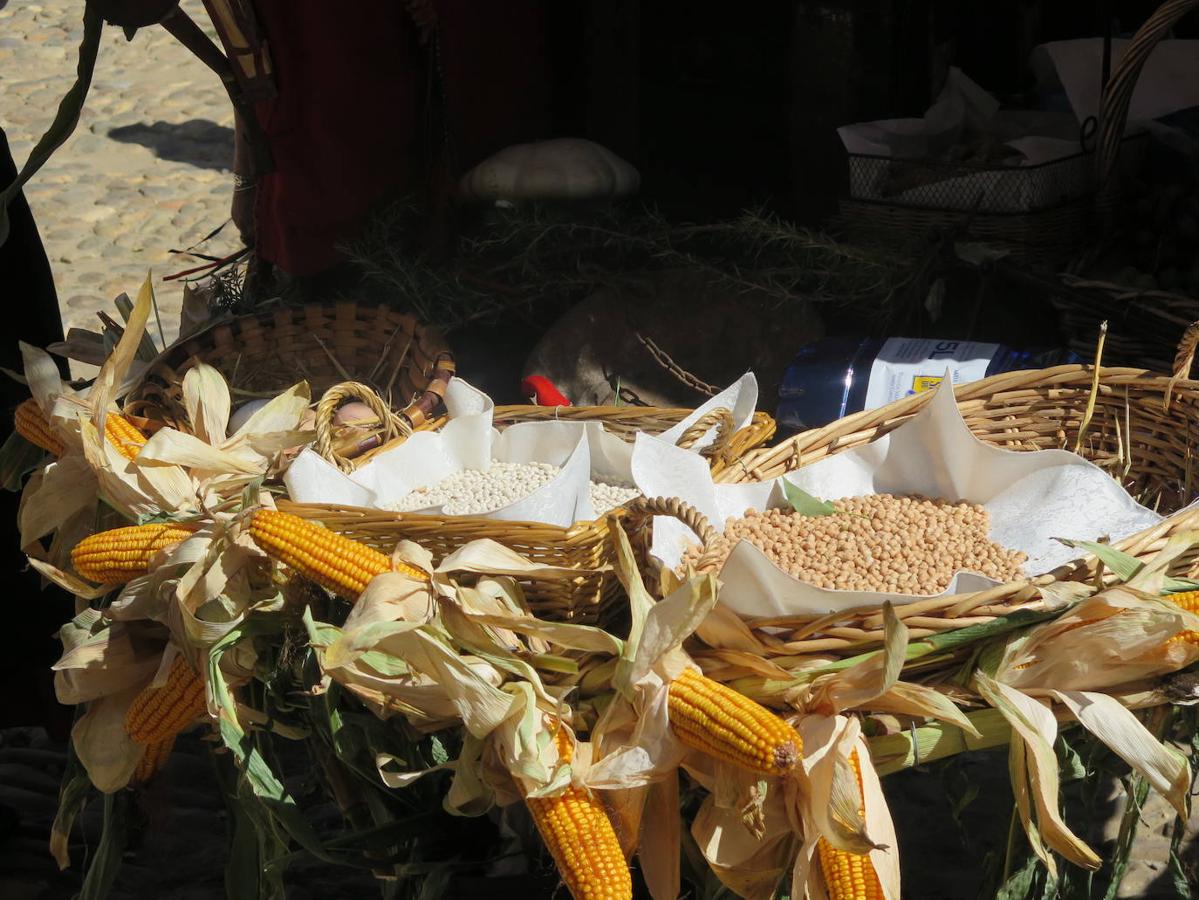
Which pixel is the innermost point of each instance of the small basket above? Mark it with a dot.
(1142, 430)
(265, 353)
(727, 446)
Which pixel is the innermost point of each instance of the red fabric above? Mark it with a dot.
(497, 75)
(343, 130)
(347, 127)
(542, 391)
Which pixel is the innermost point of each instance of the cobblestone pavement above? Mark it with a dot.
(148, 168)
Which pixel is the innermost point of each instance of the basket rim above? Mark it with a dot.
(1071, 376)
(266, 312)
(596, 528)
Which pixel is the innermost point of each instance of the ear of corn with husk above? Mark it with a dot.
(159, 713)
(715, 719)
(343, 566)
(580, 837)
(122, 554)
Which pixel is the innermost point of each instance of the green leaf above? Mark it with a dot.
(437, 751)
(249, 494)
(319, 634)
(1022, 885)
(1124, 566)
(384, 663)
(269, 791)
(550, 662)
(107, 862)
(804, 503)
(72, 797)
(251, 840)
(1179, 585)
(1070, 761)
(67, 117)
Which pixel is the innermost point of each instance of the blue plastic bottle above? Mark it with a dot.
(837, 376)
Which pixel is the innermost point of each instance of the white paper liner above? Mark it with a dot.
(1032, 497)
(741, 399)
(584, 451)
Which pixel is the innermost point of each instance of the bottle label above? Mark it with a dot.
(906, 366)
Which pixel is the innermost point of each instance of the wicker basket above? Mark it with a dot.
(1142, 430)
(583, 596)
(728, 444)
(1144, 325)
(1070, 199)
(265, 353)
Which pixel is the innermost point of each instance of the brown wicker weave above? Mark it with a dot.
(1143, 430)
(1041, 237)
(580, 596)
(264, 353)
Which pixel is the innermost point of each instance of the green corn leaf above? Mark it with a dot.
(73, 795)
(804, 503)
(1023, 884)
(107, 862)
(1124, 566)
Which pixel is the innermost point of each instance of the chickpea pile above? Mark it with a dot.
(901, 545)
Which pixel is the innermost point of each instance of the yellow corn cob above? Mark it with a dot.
(580, 837)
(123, 435)
(343, 566)
(31, 423)
(1188, 600)
(849, 876)
(154, 758)
(711, 717)
(116, 556)
(159, 713)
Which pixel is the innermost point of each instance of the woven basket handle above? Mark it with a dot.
(639, 514)
(722, 420)
(1183, 360)
(1113, 108)
(333, 398)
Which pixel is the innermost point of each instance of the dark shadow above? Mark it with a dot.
(198, 142)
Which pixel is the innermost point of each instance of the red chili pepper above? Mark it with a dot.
(542, 391)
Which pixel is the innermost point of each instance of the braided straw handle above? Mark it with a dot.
(333, 398)
(639, 515)
(1113, 108)
(1183, 360)
(722, 420)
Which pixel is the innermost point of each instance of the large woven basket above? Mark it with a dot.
(1142, 430)
(264, 353)
(586, 593)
